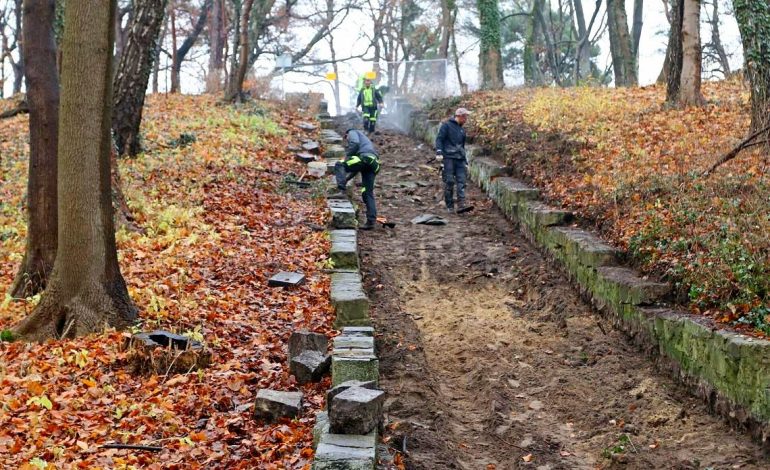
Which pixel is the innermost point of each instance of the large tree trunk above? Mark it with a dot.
(447, 26)
(134, 74)
(236, 85)
(621, 45)
(490, 58)
(755, 34)
(690, 81)
(217, 40)
(86, 291)
(43, 100)
(187, 44)
(674, 53)
(233, 73)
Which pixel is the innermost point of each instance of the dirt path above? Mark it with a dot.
(491, 360)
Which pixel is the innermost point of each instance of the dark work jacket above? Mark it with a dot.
(450, 141)
(359, 144)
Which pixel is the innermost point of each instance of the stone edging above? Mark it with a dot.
(730, 371)
(353, 354)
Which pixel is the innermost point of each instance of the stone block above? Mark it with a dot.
(509, 193)
(581, 248)
(343, 214)
(306, 126)
(336, 390)
(484, 169)
(304, 340)
(310, 366)
(340, 452)
(351, 305)
(321, 427)
(363, 366)
(358, 331)
(331, 139)
(535, 215)
(618, 286)
(344, 342)
(334, 151)
(311, 146)
(286, 279)
(271, 405)
(356, 410)
(344, 252)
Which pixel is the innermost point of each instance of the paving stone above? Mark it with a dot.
(351, 305)
(310, 366)
(286, 279)
(344, 252)
(271, 405)
(356, 410)
(343, 214)
(304, 340)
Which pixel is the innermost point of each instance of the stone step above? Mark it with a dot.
(350, 303)
(344, 252)
(484, 170)
(343, 214)
(334, 151)
(536, 216)
(358, 331)
(361, 365)
(619, 287)
(356, 411)
(509, 193)
(346, 452)
(344, 342)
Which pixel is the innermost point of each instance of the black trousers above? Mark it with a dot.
(370, 117)
(368, 166)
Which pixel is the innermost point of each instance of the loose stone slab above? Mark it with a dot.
(326, 123)
(357, 410)
(311, 146)
(304, 157)
(306, 126)
(343, 214)
(334, 391)
(343, 342)
(344, 252)
(334, 151)
(351, 305)
(310, 366)
(286, 279)
(273, 404)
(304, 340)
(358, 331)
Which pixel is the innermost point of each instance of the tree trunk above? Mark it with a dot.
(217, 40)
(236, 89)
(232, 75)
(447, 7)
(156, 59)
(690, 80)
(134, 73)
(490, 58)
(532, 73)
(636, 28)
(674, 55)
(18, 66)
(172, 22)
(753, 23)
(716, 40)
(43, 100)
(456, 56)
(86, 291)
(187, 44)
(621, 45)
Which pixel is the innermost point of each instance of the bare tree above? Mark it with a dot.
(690, 80)
(43, 98)
(179, 54)
(133, 74)
(621, 44)
(714, 50)
(86, 291)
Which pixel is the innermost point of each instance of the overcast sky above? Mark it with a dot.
(349, 41)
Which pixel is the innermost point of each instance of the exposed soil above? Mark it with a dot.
(491, 360)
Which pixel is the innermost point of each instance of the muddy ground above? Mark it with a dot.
(491, 360)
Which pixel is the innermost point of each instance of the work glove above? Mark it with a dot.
(439, 158)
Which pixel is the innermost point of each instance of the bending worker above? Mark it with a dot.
(450, 148)
(361, 157)
(370, 100)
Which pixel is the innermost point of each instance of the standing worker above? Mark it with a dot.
(370, 100)
(450, 148)
(361, 157)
